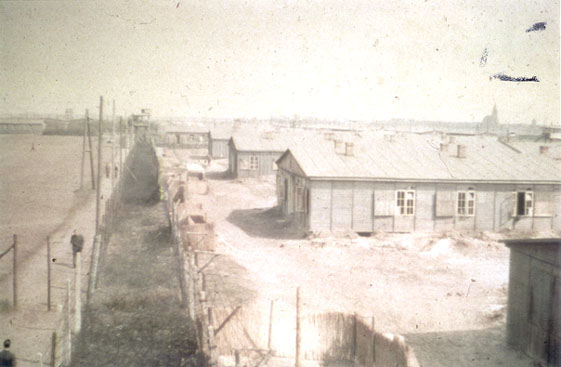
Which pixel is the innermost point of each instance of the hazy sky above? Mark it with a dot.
(260, 58)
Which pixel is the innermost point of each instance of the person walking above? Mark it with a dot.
(7, 358)
(77, 241)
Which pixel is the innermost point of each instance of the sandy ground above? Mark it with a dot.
(39, 196)
(445, 292)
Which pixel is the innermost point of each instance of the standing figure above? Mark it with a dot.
(116, 171)
(7, 358)
(77, 241)
(107, 170)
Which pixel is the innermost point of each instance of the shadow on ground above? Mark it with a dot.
(477, 348)
(219, 176)
(265, 223)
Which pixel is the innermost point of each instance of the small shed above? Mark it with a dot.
(218, 139)
(534, 291)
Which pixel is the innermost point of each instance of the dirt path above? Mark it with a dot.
(38, 198)
(136, 317)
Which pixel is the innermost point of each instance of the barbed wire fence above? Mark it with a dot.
(13, 249)
(69, 326)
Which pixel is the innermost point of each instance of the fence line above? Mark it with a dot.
(253, 333)
(70, 325)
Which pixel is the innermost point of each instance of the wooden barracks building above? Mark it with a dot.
(408, 182)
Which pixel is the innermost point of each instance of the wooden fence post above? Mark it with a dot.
(93, 267)
(269, 339)
(68, 325)
(211, 346)
(48, 273)
(15, 285)
(77, 295)
(53, 349)
(298, 362)
(373, 341)
(354, 339)
(191, 290)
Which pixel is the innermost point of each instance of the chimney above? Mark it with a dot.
(461, 151)
(349, 149)
(544, 149)
(338, 144)
(451, 139)
(443, 147)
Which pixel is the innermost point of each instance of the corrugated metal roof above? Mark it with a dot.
(186, 129)
(281, 139)
(414, 157)
(257, 141)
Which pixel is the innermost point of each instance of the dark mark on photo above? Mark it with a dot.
(483, 60)
(537, 27)
(508, 78)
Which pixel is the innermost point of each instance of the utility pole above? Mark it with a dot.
(121, 146)
(112, 170)
(99, 159)
(90, 148)
(83, 153)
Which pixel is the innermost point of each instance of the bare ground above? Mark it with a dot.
(445, 292)
(39, 197)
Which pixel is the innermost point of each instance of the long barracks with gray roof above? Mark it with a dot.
(408, 182)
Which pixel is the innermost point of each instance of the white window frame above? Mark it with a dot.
(253, 163)
(404, 206)
(463, 207)
(528, 203)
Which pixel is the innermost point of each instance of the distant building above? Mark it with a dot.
(409, 182)
(255, 154)
(553, 133)
(218, 139)
(21, 126)
(68, 114)
(186, 137)
(534, 299)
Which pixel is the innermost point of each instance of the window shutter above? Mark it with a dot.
(384, 203)
(445, 203)
(543, 203)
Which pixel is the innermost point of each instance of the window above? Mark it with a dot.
(466, 203)
(299, 196)
(405, 202)
(253, 163)
(524, 203)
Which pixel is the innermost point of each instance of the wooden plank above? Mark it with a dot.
(342, 206)
(362, 207)
(228, 318)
